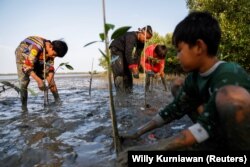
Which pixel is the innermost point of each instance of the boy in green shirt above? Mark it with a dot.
(215, 94)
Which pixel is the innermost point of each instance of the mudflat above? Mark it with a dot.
(79, 131)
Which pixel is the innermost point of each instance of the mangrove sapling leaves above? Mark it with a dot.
(62, 64)
(108, 26)
(8, 84)
(119, 32)
(69, 67)
(91, 43)
(16, 88)
(66, 65)
(101, 35)
(104, 55)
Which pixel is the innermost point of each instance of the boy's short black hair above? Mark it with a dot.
(198, 25)
(147, 28)
(60, 47)
(161, 51)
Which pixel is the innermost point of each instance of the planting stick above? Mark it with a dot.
(117, 143)
(145, 100)
(44, 78)
(91, 76)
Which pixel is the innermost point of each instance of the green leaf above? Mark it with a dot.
(103, 54)
(91, 43)
(108, 27)
(101, 36)
(120, 31)
(69, 67)
(7, 83)
(62, 64)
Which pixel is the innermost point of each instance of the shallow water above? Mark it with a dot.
(79, 131)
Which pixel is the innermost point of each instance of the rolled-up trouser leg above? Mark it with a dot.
(56, 97)
(23, 82)
(24, 95)
(117, 64)
(128, 81)
(119, 84)
(22, 77)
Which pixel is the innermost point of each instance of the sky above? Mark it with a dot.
(79, 22)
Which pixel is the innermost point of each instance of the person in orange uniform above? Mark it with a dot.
(153, 62)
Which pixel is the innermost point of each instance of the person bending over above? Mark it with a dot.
(30, 62)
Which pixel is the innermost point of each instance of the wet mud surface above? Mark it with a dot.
(77, 133)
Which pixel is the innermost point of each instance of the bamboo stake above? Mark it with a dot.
(145, 100)
(46, 100)
(117, 143)
(91, 76)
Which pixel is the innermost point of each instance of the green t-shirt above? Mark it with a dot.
(201, 89)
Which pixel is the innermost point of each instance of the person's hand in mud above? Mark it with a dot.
(130, 135)
(41, 85)
(39, 81)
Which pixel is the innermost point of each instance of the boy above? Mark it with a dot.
(30, 62)
(154, 62)
(126, 52)
(214, 88)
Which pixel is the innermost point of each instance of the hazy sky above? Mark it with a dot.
(79, 22)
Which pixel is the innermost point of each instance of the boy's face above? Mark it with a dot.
(188, 57)
(49, 50)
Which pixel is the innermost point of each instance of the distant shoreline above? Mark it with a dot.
(60, 73)
(13, 76)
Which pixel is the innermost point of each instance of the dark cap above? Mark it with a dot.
(147, 28)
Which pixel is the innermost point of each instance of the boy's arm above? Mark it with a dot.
(129, 49)
(53, 87)
(31, 56)
(181, 105)
(132, 56)
(51, 82)
(28, 65)
(188, 137)
(39, 81)
(183, 139)
(209, 117)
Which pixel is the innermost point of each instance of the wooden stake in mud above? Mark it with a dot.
(117, 143)
(91, 76)
(46, 99)
(145, 94)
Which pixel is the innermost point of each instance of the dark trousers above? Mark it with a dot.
(123, 80)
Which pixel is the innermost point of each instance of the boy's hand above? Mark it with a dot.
(41, 85)
(129, 135)
(135, 72)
